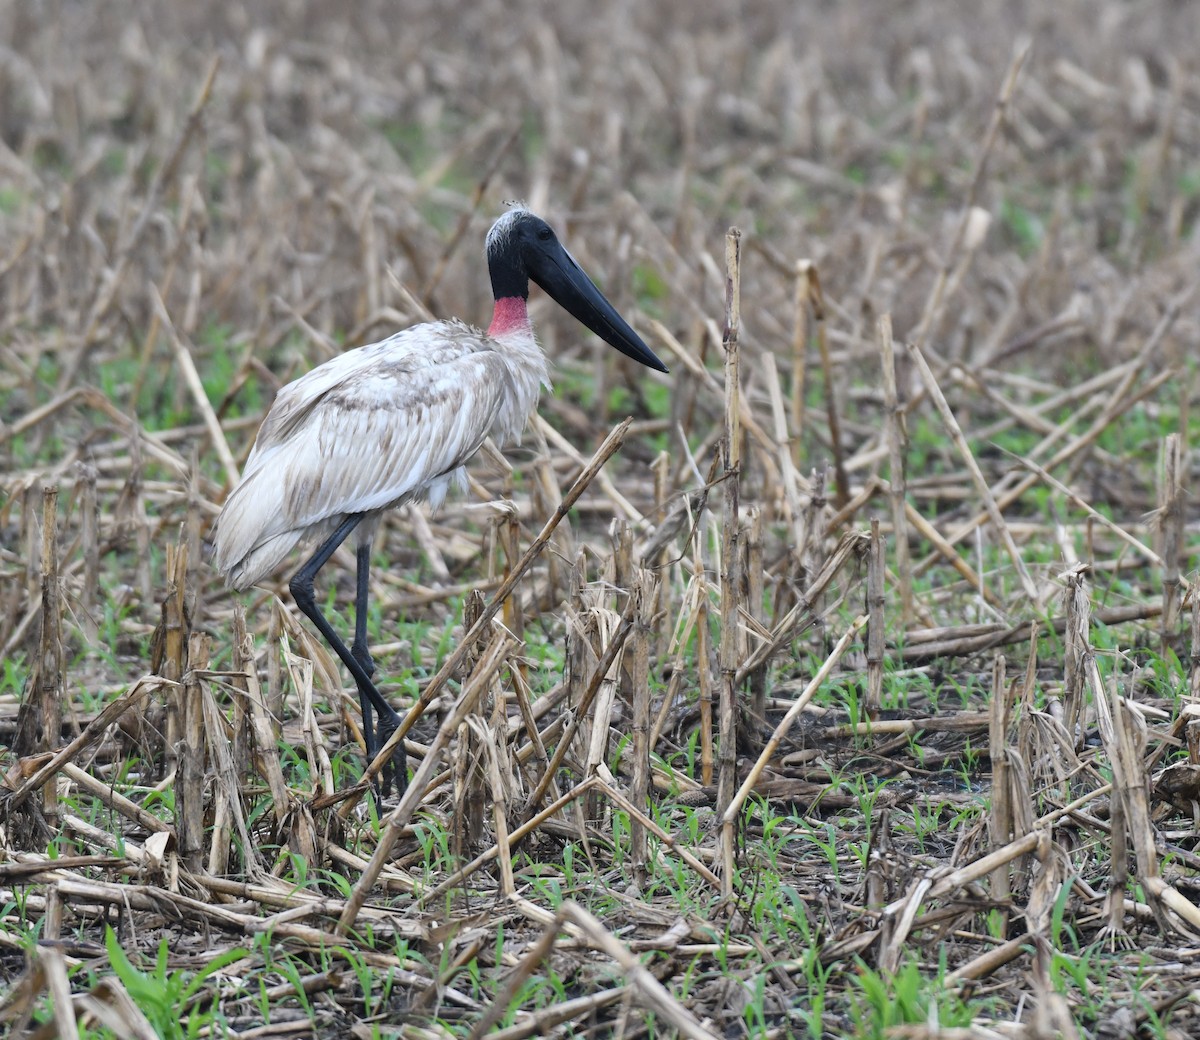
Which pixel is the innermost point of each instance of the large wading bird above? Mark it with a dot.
(395, 422)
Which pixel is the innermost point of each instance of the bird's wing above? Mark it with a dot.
(373, 427)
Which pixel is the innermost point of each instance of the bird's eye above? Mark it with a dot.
(545, 234)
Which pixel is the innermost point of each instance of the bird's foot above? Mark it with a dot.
(394, 774)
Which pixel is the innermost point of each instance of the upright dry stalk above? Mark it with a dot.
(51, 680)
(189, 786)
(623, 578)
(896, 435)
(816, 298)
(1076, 639)
(1171, 515)
(465, 765)
(575, 666)
(30, 505)
(799, 357)
(808, 551)
(1118, 859)
(603, 625)
(1000, 821)
(492, 744)
(275, 670)
(875, 605)
(89, 548)
(789, 477)
(731, 529)
(135, 485)
(195, 524)
(1123, 732)
(1194, 659)
(705, 676)
(42, 726)
(662, 476)
(52, 918)
(240, 749)
(265, 724)
(171, 642)
(755, 577)
(638, 657)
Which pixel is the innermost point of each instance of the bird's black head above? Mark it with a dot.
(521, 246)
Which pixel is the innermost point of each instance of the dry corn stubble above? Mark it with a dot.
(197, 204)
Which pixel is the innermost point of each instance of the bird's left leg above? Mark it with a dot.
(368, 695)
(374, 737)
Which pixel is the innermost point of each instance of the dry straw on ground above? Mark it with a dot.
(849, 688)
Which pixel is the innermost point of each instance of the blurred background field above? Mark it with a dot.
(201, 202)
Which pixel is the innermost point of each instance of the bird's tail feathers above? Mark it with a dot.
(261, 560)
(248, 543)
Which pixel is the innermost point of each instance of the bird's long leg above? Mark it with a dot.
(359, 648)
(362, 652)
(369, 697)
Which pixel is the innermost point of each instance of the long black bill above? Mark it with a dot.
(557, 271)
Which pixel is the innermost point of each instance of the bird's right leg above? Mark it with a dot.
(395, 772)
(359, 648)
(369, 696)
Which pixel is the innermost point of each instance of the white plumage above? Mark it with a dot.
(370, 429)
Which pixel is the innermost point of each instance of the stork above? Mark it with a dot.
(394, 422)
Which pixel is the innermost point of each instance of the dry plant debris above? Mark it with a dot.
(855, 694)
